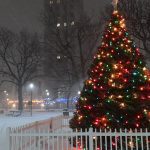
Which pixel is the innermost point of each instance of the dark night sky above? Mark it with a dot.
(18, 14)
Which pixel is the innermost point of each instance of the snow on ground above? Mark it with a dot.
(8, 121)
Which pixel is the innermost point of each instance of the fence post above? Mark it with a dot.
(91, 139)
(8, 138)
(36, 131)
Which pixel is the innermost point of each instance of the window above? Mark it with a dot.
(72, 23)
(58, 57)
(58, 25)
(65, 24)
(51, 2)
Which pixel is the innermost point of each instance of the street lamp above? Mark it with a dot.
(31, 86)
(47, 93)
(68, 74)
(79, 92)
(5, 96)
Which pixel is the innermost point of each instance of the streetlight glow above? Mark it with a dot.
(79, 92)
(31, 85)
(14, 105)
(47, 93)
(42, 105)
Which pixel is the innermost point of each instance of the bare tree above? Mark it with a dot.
(19, 55)
(70, 41)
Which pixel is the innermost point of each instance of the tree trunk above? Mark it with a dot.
(20, 98)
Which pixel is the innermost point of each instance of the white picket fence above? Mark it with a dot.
(50, 125)
(56, 135)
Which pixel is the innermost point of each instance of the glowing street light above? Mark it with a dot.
(14, 105)
(47, 93)
(42, 105)
(31, 86)
(79, 92)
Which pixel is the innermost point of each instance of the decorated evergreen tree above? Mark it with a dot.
(117, 91)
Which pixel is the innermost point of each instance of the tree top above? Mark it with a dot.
(115, 3)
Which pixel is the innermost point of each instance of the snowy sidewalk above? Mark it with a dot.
(6, 122)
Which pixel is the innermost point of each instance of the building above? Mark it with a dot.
(66, 11)
(59, 15)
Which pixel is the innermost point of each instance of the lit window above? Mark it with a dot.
(58, 57)
(65, 24)
(58, 25)
(72, 23)
(51, 2)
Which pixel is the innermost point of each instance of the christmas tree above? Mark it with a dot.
(117, 91)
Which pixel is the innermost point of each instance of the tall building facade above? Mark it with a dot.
(59, 16)
(66, 12)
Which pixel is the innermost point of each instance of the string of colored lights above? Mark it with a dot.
(117, 92)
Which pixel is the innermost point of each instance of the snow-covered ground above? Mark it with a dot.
(7, 121)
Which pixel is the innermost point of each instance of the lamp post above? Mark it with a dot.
(5, 102)
(47, 94)
(69, 77)
(31, 86)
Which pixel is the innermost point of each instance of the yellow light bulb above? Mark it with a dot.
(120, 86)
(123, 25)
(120, 33)
(115, 29)
(135, 95)
(103, 119)
(113, 76)
(141, 88)
(80, 117)
(111, 96)
(98, 56)
(120, 96)
(115, 66)
(122, 105)
(111, 80)
(113, 85)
